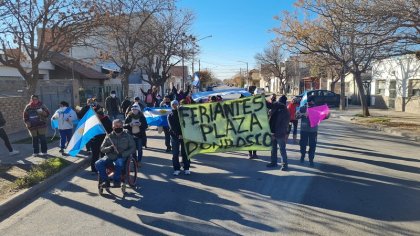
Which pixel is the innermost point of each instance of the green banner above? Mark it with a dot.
(235, 125)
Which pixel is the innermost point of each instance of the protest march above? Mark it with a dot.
(240, 124)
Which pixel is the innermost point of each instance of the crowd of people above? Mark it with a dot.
(283, 118)
(126, 127)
